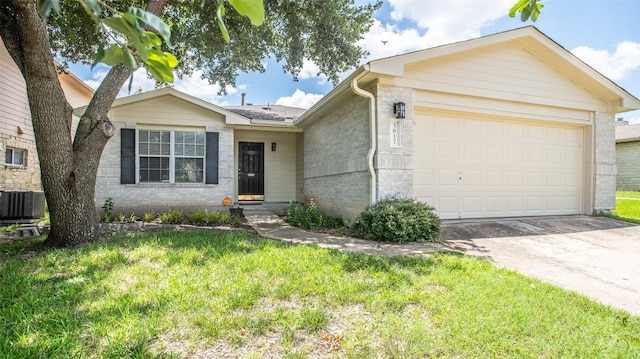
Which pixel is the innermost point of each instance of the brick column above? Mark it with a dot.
(604, 163)
(394, 164)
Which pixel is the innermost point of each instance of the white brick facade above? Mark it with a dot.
(160, 197)
(628, 165)
(394, 165)
(604, 171)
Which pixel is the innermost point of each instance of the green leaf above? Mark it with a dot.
(221, 26)
(45, 7)
(524, 15)
(517, 7)
(113, 55)
(121, 25)
(128, 59)
(159, 71)
(151, 39)
(171, 60)
(529, 9)
(154, 22)
(99, 56)
(159, 64)
(253, 9)
(92, 7)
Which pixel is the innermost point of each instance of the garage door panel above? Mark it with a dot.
(448, 177)
(478, 167)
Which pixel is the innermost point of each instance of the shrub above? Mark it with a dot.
(199, 217)
(174, 216)
(107, 207)
(149, 217)
(399, 220)
(213, 218)
(310, 218)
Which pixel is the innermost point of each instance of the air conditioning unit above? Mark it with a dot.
(21, 204)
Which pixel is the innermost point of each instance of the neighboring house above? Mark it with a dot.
(628, 156)
(21, 169)
(505, 125)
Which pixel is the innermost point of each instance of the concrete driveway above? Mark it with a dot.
(595, 256)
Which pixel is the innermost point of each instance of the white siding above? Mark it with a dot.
(13, 102)
(279, 165)
(502, 73)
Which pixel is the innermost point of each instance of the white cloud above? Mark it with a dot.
(438, 22)
(193, 85)
(451, 20)
(617, 65)
(385, 40)
(310, 71)
(299, 99)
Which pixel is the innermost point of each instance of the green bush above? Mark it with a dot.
(399, 220)
(310, 218)
(203, 217)
(149, 216)
(174, 217)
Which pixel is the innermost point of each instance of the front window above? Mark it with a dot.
(171, 156)
(189, 156)
(14, 157)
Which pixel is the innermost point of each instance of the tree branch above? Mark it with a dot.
(9, 33)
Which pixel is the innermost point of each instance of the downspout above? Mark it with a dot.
(372, 126)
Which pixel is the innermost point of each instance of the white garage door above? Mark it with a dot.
(470, 167)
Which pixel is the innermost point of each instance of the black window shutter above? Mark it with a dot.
(127, 156)
(213, 139)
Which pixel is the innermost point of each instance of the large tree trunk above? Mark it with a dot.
(68, 170)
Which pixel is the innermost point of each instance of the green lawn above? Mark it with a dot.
(628, 194)
(210, 294)
(627, 208)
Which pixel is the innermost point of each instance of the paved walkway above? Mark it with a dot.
(269, 225)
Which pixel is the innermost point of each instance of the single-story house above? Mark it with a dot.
(510, 124)
(627, 156)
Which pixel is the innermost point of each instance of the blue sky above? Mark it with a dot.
(603, 33)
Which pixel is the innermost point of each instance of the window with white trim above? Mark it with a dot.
(171, 156)
(14, 157)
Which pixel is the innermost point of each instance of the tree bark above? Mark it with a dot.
(68, 169)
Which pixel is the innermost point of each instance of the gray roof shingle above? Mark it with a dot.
(268, 113)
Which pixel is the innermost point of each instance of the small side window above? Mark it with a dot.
(14, 157)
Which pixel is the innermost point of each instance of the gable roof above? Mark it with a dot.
(628, 133)
(231, 118)
(529, 37)
(253, 116)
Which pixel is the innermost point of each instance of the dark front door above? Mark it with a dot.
(251, 172)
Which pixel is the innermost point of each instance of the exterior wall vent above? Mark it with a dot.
(21, 204)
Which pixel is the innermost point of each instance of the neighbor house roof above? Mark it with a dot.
(628, 133)
(529, 37)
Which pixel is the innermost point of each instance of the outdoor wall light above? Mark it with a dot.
(273, 147)
(398, 109)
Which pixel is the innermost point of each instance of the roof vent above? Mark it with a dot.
(267, 107)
